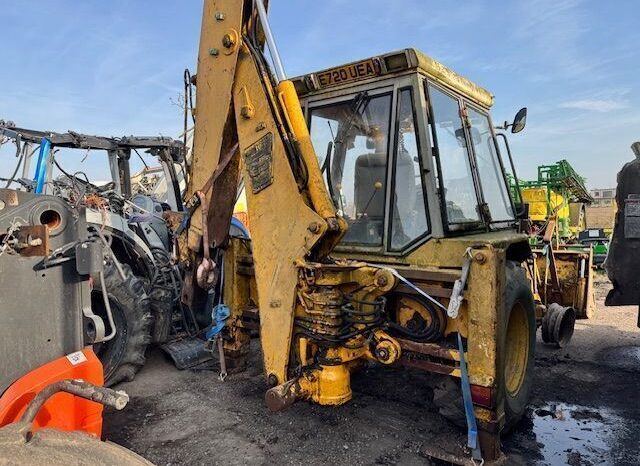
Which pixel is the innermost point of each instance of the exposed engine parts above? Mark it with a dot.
(141, 285)
(333, 317)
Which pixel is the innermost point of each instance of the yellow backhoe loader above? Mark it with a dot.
(382, 228)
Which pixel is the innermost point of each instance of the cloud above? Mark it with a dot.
(595, 105)
(602, 100)
(554, 30)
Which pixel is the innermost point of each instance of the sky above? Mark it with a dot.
(115, 67)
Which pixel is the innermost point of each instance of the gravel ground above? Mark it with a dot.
(584, 411)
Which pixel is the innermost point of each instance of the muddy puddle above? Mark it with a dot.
(565, 434)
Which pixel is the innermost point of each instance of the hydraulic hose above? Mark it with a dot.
(107, 306)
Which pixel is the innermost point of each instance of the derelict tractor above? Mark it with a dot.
(382, 228)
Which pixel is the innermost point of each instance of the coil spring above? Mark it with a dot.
(356, 317)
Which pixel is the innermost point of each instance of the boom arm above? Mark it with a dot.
(291, 213)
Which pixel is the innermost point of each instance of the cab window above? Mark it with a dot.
(492, 179)
(351, 140)
(409, 213)
(458, 188)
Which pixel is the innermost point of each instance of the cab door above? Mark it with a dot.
(370, 148)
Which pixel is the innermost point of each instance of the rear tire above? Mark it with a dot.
(517, 346)
(123, 355)
(516, 357)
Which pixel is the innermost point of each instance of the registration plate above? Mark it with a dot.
(348, 73)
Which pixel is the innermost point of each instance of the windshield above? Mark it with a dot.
(351, 139)
(457, 180)
(492, 180)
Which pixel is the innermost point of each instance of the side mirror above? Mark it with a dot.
(519, 121)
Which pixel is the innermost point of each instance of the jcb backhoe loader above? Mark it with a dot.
(381, 224)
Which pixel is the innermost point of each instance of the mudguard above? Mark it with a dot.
(62, 411)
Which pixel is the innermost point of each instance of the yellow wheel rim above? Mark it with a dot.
(517, 349)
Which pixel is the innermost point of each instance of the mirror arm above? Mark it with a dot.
(513, 169)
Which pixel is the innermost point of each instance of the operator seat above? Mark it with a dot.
(370, 169)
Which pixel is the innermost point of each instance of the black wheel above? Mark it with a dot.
(516, 353)
(123, 355)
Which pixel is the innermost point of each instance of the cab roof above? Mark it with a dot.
(390, 63)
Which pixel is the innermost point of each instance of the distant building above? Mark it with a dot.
(603, 197)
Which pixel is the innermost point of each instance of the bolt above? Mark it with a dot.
(333, 222)
(247, 111)
(382, 354)
(314, 227)
(219, 16)
(381, 280)
(272, 380)
(228, 41)
(214, 52)
(480, 258)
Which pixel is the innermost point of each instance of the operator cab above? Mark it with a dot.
(407, 150)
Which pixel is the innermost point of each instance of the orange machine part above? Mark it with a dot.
(62, 411)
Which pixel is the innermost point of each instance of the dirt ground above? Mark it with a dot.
(584, 411)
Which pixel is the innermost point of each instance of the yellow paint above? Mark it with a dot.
(215, 78)
(404, 60)
(540, 207)
(276, 274)
(331, 384)
(320, 199)
(450, 78)
(294, 228)
(576, 290)
(517, 350)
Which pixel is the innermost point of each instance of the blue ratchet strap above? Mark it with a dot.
(183, 224)
(220, 314)
(41, 166)
(472, 425)
(191, 205)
